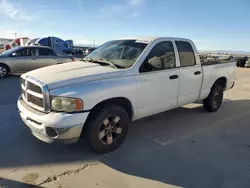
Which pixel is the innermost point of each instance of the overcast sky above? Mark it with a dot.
(212, 24)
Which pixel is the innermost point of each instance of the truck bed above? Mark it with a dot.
(214, 70)
(214, 62)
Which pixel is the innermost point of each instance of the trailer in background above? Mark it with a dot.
(16, 42)
(55, 43)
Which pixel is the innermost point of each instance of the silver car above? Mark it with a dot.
(26, 58)
(247, 65)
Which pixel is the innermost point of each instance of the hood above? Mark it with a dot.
(76, 72)
(3, 56)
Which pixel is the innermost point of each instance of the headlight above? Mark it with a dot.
(63, 104)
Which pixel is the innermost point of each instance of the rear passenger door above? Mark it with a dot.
(46, 57)
(190, 74)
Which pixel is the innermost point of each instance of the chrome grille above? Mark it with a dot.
(35, 94)
(35, 100)
(34, 88)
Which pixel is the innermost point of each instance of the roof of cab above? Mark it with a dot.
(150, 39)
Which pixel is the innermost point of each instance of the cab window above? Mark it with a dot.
(186, 54)
(46, 52)
(161, 57)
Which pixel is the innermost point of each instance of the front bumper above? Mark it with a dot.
(53, 127)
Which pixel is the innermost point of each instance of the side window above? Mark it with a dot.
(45, 52)
(32, 51)
(24, 52)
(186, 53)
(162, 56)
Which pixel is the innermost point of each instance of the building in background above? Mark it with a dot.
(4, 41)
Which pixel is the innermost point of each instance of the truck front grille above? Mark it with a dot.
(35, 94)
(35, 100)
(34, 88)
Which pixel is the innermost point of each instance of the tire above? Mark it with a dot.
(214, 100)
(107, 128)
(4, 71)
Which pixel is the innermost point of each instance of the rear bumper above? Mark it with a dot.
(52, 127)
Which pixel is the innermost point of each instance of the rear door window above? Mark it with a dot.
(186, 54)
(45, 52)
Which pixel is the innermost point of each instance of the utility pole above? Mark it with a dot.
(15, 34)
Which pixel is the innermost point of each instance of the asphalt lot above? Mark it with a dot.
(186, 147)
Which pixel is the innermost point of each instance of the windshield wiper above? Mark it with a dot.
(87, 59)
(102, 61)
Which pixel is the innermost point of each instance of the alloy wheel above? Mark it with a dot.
(110, 130)
(216, 99)
(3, 72)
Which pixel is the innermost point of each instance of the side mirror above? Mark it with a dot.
(14, 54)
(156, 62)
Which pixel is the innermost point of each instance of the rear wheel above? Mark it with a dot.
(3, 71)
(214, 100)
(107, 128)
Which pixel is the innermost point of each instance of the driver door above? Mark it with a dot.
(22, 60)
(157, 81)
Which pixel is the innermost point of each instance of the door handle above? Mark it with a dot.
(197, 72)
(173, 77)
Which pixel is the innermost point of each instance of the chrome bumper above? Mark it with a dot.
(52, 127)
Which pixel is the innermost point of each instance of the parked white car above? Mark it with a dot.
(121, 81)
(247, 65)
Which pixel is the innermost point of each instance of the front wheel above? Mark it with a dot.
(107, 128)
(214, 100)
(3, 71)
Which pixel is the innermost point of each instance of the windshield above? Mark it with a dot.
(10, 51)
(119, 52)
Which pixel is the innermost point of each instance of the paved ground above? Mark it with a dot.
(186, 147)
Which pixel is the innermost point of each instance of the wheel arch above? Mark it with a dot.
(5, 66)
(120, 101)
(222, 81)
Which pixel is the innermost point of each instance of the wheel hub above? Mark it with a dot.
(110, 130)
(3, 71)
(216, 99)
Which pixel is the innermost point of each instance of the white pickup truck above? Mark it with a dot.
(121, 81)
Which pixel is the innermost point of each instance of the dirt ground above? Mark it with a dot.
(186, 147)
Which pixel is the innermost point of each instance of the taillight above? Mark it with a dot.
(72, 58)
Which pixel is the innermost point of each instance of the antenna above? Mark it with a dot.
(15, 34)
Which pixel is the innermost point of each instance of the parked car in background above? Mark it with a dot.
(247, 65)
(225, 58)
(78, 52)
(121, 81)
(89, 50)
(26, 58)
(241, 61)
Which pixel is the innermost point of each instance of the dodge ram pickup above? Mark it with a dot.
(121, 81)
